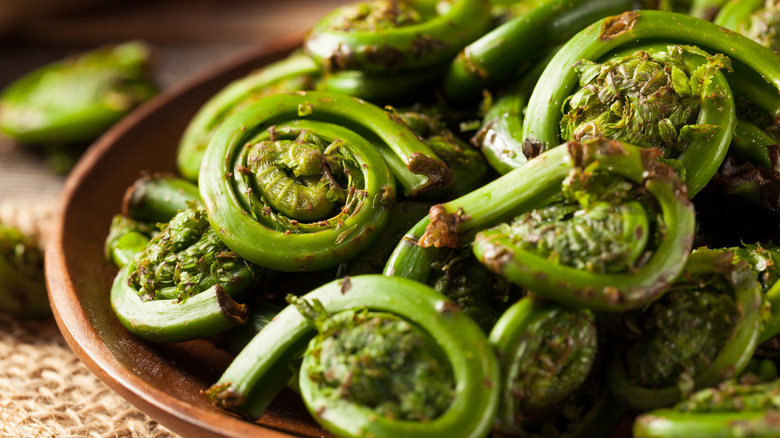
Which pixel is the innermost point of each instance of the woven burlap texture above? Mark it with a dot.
(45, 391)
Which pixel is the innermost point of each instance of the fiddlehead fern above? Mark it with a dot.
(591, 249)
(22, 286)
(542, 123)
(353, 302)
(251, 199)
(535, 182)
(380, 361)
(297, 72)
(392, 35)
(732, 409)
(703, 331)
(546, 352)
(157, 197)
(78, 98)
(153, 198)
(181, 285)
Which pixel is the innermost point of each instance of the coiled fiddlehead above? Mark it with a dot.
(703, 331)
(500, 53)
(732, 409)
(355, 301)
(542, 123)
(262, 209)
(545, 352)
(180, 287)
(591, 249)
(297, 72)
(535, 182)
(78, 98)
(392, 35)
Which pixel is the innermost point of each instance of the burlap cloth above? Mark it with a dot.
(45, 391)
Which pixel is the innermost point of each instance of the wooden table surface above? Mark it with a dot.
(188, 35)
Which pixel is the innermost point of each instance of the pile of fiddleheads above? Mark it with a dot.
(544, 262)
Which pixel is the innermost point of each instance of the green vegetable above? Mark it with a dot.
(78, 98)
(703, 331)
(546, 352)
(126, 238)
(157, 197)
(759, 20)
(542, 122)
(526, 187)
(391, 36)
(732, 409)
(318, 209)
(22, 286)
(262, 368)
(181, 286)
(501, 52)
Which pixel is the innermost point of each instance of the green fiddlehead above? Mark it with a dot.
(297, 72)
(126, 238)
(152, 199)
(546, 352)
(78, 98)
(732, 409)
(357, 304)
(242, 187)
(392, 35)
(22, 286)
(542, 123)
(380, 361)
(181, 286)
(703, 331)
(593, 249)
(526, 188)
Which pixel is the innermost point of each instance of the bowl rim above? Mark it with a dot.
(74, 324)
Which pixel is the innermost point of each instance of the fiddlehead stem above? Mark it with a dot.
(158, 197)
(297, 72)
(719, 298)
(732, 409)
(501, 52)
(180, 286)
(392, 35)
(264, 362)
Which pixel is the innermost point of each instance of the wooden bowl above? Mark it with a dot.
(163, 380)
